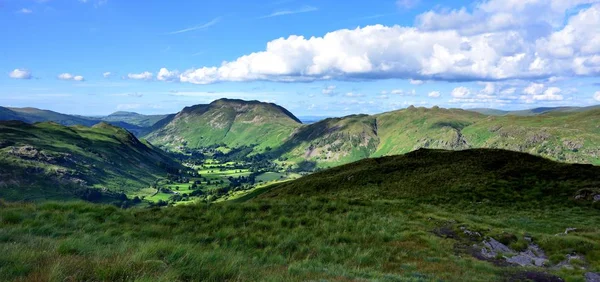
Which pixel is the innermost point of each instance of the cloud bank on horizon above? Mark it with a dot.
(512, 49)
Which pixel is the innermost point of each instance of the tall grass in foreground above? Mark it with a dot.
(307, 239)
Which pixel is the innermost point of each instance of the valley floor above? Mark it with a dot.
(286, 240)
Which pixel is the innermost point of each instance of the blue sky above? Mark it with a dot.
(319, 58)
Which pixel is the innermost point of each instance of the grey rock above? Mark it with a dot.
(491, 248)
(533, 256)
(592, 277)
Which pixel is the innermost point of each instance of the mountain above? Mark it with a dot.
(534, 111)
(440, 176)
(572, 137)
(135, 123)
(32, 115)
(134, 118)
(230, 122)
(51, 161)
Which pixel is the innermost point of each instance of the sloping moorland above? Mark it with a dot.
(424, 216)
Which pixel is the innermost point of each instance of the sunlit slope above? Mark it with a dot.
(51, 161)
(234, 123)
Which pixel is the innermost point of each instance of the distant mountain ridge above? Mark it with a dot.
(568, 134)
(136, 123)
(534, 111)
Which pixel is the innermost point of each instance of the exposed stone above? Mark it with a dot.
(592, 277)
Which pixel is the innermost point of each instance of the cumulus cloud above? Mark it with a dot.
(25, 11)
(497, 40)
(434, 94)
(20, 74)
(597, 96)
(141, 76)
(461, 92)
(416, 82)
(107, 74)
(68, 76)
(166, 75)
(539, 92)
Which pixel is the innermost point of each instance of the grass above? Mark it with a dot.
(49, 161)
(290, 240)
(371, 220)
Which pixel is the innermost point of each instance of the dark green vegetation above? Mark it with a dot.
(364, 221)
(487, 176)
(50, 161)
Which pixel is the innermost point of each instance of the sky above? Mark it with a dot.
(314, 57)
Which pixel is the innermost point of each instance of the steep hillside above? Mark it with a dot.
(496, 177)
(50, 161)
(225, 121)
(342, 140)
(570, 137)
(565, 136)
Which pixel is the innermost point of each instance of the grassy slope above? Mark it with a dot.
(233, 122)
(571, 137)
(497, 176)
(48, 160)
(362, 221)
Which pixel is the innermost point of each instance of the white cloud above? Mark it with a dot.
(496, 40)
(304, 9)
(416, 82)
(25, 11)
(198, 27)
(534, 89)
(166, 75)
(402, 92)
(140, 76)
(20, 74)
(107, 74)
(434, 94)
(329, 90)
(539, 92)
(352, 94)
(597, 96)
(68, 76)
(461, 92)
